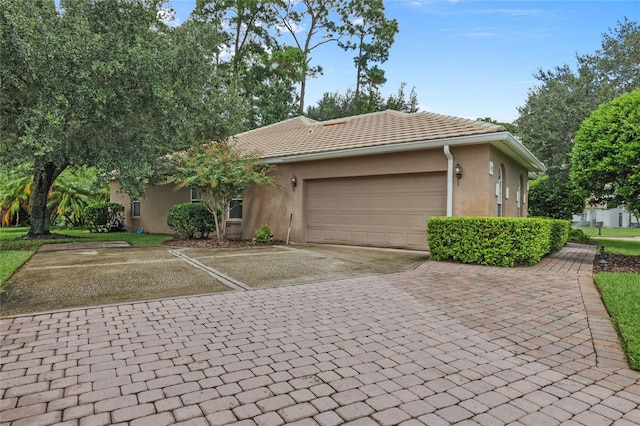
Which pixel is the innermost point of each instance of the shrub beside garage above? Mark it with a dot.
(191, 220)
(495, 241)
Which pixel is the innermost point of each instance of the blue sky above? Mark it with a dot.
(472, 58)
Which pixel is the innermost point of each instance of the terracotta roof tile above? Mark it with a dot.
(302, 135)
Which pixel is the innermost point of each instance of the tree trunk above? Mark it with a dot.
(43, 178)
(303, 89)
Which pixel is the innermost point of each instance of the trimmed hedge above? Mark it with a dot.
(496, 241)
(101, 217)
(191, 220)
(559, 234)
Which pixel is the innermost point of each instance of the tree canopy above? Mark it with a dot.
(370, 34)
(565, 96)
(220, 174)
(606, 153)
(336, 105)
(102, 83)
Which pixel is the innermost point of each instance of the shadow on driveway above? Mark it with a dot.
(93, 276)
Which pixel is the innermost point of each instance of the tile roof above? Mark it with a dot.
(302, 135)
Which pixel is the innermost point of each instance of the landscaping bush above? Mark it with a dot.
(578, 236)
(102, 217)
(559, 234)
(263, 235)
(489, 240)
(191, 220)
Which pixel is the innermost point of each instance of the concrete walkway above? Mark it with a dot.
(443, 344)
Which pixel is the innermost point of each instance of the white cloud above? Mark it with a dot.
(290, 24)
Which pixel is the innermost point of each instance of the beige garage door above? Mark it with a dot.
(383, 211)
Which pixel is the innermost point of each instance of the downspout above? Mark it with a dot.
(447, 152)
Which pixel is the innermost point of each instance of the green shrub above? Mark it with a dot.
(190, 220)
(489, 240)
(559, 234)
(578, 236)
(263, 235)
(103, 217)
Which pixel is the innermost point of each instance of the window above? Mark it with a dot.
(196, 195)
(135, 209)
(235, 208)
(519, 197)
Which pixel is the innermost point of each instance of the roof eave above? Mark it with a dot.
(504, 141)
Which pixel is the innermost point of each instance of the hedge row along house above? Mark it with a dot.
(370, 180)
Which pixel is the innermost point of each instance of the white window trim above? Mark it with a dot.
(195, 196)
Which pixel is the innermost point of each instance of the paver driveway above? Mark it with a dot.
(443, 344)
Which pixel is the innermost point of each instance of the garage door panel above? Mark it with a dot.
(374, 210)
(377, 220)
(415, 221)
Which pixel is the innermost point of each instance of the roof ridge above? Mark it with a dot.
(301, 118)
(479, 123)
(359, 116)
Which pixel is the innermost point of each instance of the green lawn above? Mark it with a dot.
(611, 232)
(629, 248)
(14, 251)
(10, 261)
(621, 296)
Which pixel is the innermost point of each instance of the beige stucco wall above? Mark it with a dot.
(475, 195)
(274, 205)
(153, 207)
(512, 174)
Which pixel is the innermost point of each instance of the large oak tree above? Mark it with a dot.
(101, 83)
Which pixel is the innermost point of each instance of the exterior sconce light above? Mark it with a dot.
(458, 171)
(294, 182)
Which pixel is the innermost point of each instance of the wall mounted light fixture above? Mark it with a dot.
(458, 171)
(294, 182)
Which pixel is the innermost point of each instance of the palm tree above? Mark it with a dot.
(14, 196)
(74, 190)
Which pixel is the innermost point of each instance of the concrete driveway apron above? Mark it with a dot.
(441, 344)
(64, 276)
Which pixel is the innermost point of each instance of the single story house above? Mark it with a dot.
(370, 180)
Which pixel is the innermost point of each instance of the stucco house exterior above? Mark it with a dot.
(371, 179)
(617, 217)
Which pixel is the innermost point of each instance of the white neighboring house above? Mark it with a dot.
(618, 217)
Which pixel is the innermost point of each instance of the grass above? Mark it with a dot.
(628, 248)
(621, 293)
(611, 232)
(10, 261)
(621, 296)
(14, 251)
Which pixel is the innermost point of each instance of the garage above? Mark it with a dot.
(382, 211)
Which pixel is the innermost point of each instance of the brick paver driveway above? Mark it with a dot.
(443, 344)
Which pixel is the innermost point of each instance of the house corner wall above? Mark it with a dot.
(153, 207)
(475, 194)
(471, 194)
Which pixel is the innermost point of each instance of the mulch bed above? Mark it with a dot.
(618, 263)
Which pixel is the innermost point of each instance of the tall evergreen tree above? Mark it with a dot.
(370, 34)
